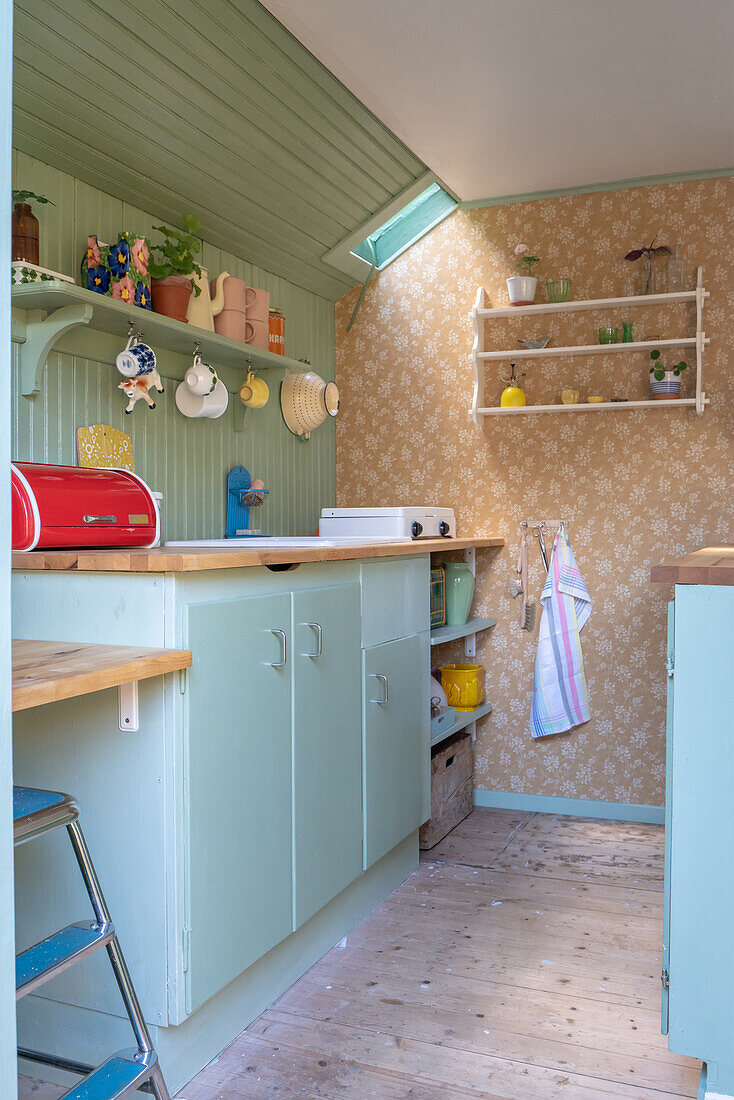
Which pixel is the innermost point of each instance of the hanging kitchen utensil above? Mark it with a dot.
(306, 400)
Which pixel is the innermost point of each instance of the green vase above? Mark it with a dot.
(459, 592)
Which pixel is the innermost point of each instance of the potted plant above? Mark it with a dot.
(665, 381)
(172, 266)
(650, 252)
(25, 226)
(521, 288)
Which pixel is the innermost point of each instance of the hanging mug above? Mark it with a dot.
(200, 377)
(254, 392)
(136, 358)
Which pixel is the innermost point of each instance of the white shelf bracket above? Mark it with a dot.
(127, 705)
(470, 642)
(477, 348)
(41, 333)
(700, 342)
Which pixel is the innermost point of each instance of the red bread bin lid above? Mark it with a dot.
(68, 507)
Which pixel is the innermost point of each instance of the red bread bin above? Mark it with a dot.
(67, 507)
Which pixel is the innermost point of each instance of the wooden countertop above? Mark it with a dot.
(164, 559)
(711, 565)
(44, 672)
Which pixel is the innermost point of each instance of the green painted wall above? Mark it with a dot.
(8, 1073)
(186, 460)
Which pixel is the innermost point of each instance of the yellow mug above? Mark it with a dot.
(254, 392)
(464, 685)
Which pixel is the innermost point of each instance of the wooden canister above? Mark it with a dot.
(276, 337)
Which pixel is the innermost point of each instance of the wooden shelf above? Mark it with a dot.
(44, 672)
(588, 349)
(600, 406)
(462, 721)
(66, 306)
(591, 303)
(450, 633)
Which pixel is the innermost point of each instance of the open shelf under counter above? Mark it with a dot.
(53, 308)
(462, 721)
(441, 634)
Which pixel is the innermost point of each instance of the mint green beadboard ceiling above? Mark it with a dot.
(213, 109)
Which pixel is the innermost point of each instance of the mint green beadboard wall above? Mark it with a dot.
(186, 460)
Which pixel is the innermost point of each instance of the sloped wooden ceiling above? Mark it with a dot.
(210, 108)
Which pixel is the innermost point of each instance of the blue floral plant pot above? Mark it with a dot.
(118, 270)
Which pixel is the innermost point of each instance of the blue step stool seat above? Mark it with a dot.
(36, 812)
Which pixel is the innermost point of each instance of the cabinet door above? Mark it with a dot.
(239, 784)
(327, 745)
(670, 665)
(396, 741)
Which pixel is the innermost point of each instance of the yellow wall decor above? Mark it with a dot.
(103, 445)
(636, 487)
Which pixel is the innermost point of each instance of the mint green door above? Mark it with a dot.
(327, 745)
(396, 741)
(669, 727)
(239, 787)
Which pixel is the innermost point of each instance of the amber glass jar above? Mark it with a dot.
(25, 233)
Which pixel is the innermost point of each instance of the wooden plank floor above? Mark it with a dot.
(520, 962)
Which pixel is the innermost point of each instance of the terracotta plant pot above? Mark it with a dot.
(171, 296)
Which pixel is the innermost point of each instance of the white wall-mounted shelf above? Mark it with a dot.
(591, 303)
(598, 406)
(52, 308)
(480, 355)
(588, 349)
(441, 634)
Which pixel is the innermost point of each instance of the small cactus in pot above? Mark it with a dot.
(665, 381)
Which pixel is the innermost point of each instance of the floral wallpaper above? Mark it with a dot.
(635, 486)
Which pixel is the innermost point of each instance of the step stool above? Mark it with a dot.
(34, 814)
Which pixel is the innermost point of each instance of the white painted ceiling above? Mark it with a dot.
(503, 97)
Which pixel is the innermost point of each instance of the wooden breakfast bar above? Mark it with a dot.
(45, 672)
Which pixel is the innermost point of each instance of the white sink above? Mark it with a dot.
(262, 542)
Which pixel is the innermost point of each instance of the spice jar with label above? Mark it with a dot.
(276, 332)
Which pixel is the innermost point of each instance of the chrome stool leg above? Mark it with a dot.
(35, 813)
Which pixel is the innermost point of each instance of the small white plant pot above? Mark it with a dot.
(521, 289)
(667, 387)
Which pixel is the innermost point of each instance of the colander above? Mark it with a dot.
(306, 400)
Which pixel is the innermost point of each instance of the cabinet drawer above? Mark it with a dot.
(395, 599)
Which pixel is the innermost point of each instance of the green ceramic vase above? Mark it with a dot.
(459, 592)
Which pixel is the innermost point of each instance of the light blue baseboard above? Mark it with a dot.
(575, 807)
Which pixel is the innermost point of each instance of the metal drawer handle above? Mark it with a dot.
(319, 639)
(100, 519)
(283, 649)
(386, 688)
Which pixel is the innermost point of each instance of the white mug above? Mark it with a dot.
(201, 378)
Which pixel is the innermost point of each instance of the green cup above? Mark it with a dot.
(608, 335)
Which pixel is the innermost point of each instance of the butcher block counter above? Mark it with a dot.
(711, 565)
(164, 559)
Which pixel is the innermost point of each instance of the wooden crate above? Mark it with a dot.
(452, 788)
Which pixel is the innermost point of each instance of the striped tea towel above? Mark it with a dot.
(560, 697)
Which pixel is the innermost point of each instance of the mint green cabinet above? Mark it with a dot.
(327, 745)
(396, 741)
(239, 882)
